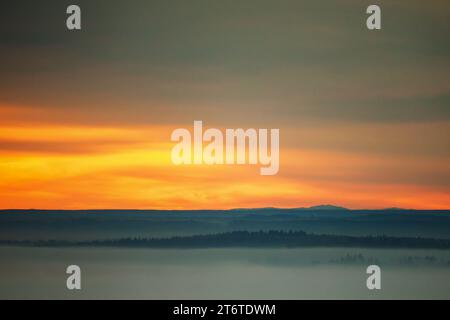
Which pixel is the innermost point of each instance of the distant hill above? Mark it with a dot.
(326, 207)
(318, 207)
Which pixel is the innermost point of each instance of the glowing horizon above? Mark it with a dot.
(104, 167)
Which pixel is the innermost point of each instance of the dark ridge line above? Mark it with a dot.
(246, 239)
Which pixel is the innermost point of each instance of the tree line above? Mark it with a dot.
(258, 239)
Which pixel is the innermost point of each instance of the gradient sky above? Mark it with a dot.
(86, 116)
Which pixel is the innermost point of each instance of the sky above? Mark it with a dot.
(86, 116)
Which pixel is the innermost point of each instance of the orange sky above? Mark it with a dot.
(73, 167)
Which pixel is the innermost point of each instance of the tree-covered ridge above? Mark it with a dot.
(263, 239)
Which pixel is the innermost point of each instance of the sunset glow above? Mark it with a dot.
(78, 167)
